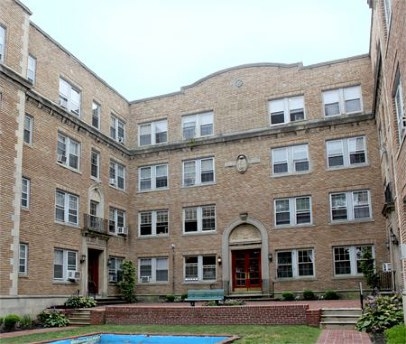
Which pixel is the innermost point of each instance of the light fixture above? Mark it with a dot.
(173, 247)
(270, 257)
(394, 239)
(219, 260)
(82, 258)
(109, 262)
(244, 216)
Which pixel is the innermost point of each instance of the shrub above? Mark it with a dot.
(380, 313)
(309, 295)
(331, 295)
(170, 298)
(288, 296)
(127, 283)
(396, 334)
(183, 297)
(53, 319)
(1, 321)
(26, 322)
(80, 302)
(10, 321)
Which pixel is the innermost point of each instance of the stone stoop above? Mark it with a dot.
(339, 318)
(80, 316)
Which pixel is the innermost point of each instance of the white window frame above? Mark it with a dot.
(199, 271)
(2, 43)
(400, 109)
(117, 174)
(69, 97)
(117, 129)
(346, 148)
(193, 125)
(155, 265)
(293, 210)
(117, 218)
(114, 265)
(68, 152)
(289, 108)
(194, 177)
(291, 157)
(295, 262)
(95, 164)
(354, 258)
(28, 127)
(200, 214)
(155, 218)
(23, 259)
(25, 192)
(387, 8)
(349, 204)
(67, 205)
(66, 262)
(153, 133)
(96, 111)
(31, 68)
(151, 177)
(339, 98)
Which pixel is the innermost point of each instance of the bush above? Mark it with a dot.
(80, 302)
(10, 322)
(396, 334)
(380, 313)
(309, 295)
(53, 319)
(26, 322)
(288, 296)
(331, 295)
(127, 284)
(170, 298)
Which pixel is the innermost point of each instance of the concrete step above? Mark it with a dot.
(339, 318)
(79, 317)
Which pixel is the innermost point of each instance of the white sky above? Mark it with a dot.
(146, 48)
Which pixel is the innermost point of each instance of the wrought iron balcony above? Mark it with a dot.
(95, 225)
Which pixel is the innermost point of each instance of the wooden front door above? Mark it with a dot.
(246, 269)
(93, 271)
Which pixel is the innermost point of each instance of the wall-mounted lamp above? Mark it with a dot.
(243, 216)
(270, 257)
(173, 247)
(394, 239)
(219, 260)
(109, 262)
(82, 258)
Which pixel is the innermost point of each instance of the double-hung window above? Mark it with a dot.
(23, 259)
(200, 268)
(117, 221)
(65, 261)
(295, 263)
(96, 109)
(28, 126)
(198, 125)
(400, 109)
(198, 172)
(350, 206)
(347, 259)
(31, 68)
(25, 193)
(293, 211)
(153, 133)
(342, 101)
(282, 111)
(66, 207)
(68, 151)
(2, 43)
(117, 175)
(115, 269)
(95, 164)
(153, 177)
(290, 160)
(117, 129)
(69, 97)
(153, 270)
(199, 219)
(346, 152)
(154, 222)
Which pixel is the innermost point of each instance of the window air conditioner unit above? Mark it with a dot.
(144, 279)
(122, 231)
(386, 267)
(73, 275)
(61, 158)
(112, 181)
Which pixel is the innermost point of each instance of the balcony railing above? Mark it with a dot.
(95, 224)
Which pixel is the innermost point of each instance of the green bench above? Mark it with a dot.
(205, 295)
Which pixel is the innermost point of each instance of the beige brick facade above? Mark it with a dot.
(237, 244)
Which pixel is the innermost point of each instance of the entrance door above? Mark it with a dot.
(246, 268)
(93, 271)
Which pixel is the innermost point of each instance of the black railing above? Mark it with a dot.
(95, 224)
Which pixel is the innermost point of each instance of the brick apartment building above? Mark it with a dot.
(258, 179)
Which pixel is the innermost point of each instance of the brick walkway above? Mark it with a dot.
(343, 337)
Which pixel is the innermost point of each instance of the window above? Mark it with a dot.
(197, 125)
(200, 268)
(198, 172)
(347, 206)
(116, 221)
(117, 129)
(342, 101)
(96, 115)
(153, 177)
(153, 222)
(69, 97)
(153, 270)
(64, 261)
(95, 164)
(23, 259)
(28, 125)
(295, 263)
(346, 152)
(31, 68)
(347, 259)
(153, 133)
(290, 160)
(117, 175)
(199, 219)
(2, 43)
(293, 211)
(115, 269)
(68, 152)
(387, 6)
(66, 207)
(25, 192)
(282, 111)
(400, 109)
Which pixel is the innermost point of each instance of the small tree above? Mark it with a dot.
(367, 267)
(127, 282)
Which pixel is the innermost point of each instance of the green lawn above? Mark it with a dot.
(249, 334)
